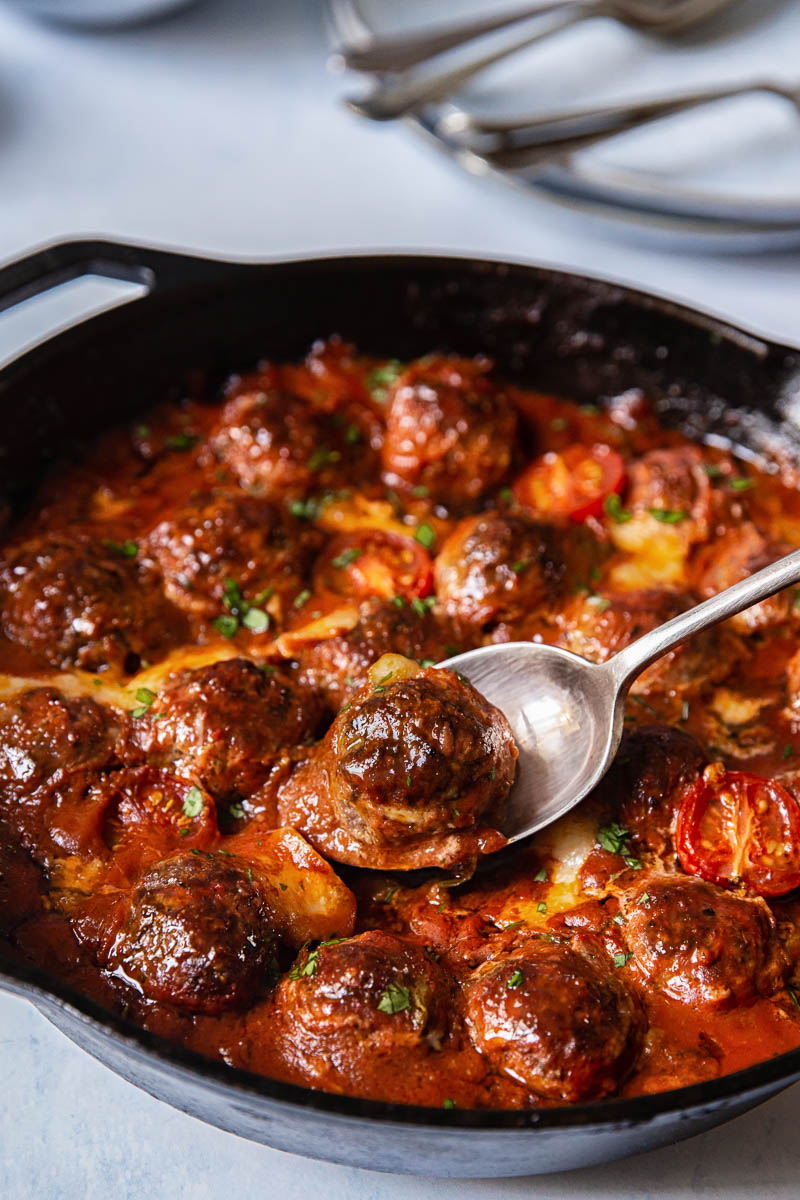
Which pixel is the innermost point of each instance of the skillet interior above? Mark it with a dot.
(579, 337)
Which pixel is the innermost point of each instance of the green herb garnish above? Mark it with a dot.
(193, 802)
(395, 999)
(613, 508)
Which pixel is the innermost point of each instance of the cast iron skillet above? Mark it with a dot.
(581, 337)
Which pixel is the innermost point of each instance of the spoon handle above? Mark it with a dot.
(631, 661)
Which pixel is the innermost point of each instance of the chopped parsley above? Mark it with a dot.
(669, 516)
(226, 626)
(541, 907)
(256, 620)
(521, 565)
(613, 508)
(301, 598)
(622, 958)
(399, 601)
(742, 484)
(395, 999)
(181, 441)
(145, 698)
(420, 606)
(713, 470)
(381, 379)
(352, 435)
(322, 457)
(420, 491)
(425, 535)
(305, 510)
(346, 557)
(540, 876)
(126, 549)
(242, 611)
(448, 1103)
(311, 963)
(427, 662)
(615, 839)
(788, 751)
(514, 979)
(193, 802)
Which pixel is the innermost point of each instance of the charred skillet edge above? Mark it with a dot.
(500, 307)
(55, 999)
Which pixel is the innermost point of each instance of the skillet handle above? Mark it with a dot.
(53, 265)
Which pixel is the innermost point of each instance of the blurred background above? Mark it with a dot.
(219, 127)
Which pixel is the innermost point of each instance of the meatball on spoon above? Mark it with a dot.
(566, 714)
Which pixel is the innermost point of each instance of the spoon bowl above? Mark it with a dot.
(567, 714)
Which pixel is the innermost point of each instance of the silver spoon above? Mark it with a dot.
(567, 714)
(389, 101)
(399, 51)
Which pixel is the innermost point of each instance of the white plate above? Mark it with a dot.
(729, 170)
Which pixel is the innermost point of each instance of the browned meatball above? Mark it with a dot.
(736, 555)
(354, 1002)
(43, 730)
(73, 602)
(200, 934)
(449, 430)
(702, 945)
(417, 752)
(279, 445)
(653, 769)
(498, 568)
(561, 1023)
(339, 665)
(218, 536)
(674, 481)
(597, 627)
(227, 722)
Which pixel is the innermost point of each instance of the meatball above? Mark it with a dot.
(598, 627)
(219, 536)
(417, 752)
(279, 445)
(43, 730)
(339, 665)
(498, 568)
(702, 945)
(449, 430)
(734, 556)
(226, 723)
(653, 769)
(354, 1002)
(200, 934)
(561, 1023)
(73, 602)
(674, 481)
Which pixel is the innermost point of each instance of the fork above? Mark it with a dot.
(537, 141)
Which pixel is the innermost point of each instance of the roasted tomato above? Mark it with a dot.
(374, 562)
(734, 827)
(574, 483)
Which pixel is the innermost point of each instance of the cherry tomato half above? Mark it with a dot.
(374, 562)
(574, 483)
(735, 827)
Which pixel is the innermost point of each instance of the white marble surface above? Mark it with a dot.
(219, 131)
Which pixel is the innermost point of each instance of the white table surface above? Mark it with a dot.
(219, 130)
